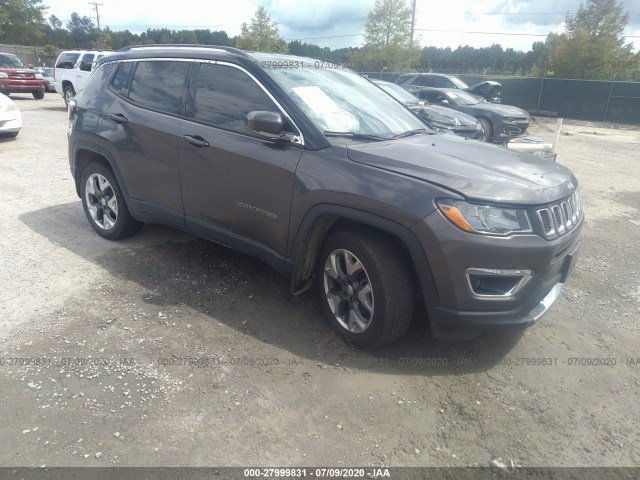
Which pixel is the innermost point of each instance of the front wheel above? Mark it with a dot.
(38, 94)
(365, 287)
(104, 205)
(487, 129)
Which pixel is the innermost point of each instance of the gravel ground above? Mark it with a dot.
(165, 349)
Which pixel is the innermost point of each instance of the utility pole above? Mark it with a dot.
(95, 6)
(413, 23)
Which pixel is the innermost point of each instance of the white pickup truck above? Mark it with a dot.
(72, 70)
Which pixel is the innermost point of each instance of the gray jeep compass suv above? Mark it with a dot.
(318, 172)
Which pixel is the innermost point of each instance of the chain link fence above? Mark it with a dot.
(593, 100)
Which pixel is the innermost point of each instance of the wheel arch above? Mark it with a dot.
(322, 220)
(85, 153)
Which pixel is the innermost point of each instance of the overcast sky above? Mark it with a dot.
(339, 23)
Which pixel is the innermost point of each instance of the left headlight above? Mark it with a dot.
(486, 219)
(38, 76)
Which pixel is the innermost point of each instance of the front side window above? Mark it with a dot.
(160, 85)
(225, 95)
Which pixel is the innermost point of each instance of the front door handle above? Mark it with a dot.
(196, 141)
(117, 117)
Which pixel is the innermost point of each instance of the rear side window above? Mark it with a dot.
(225, 95)
(67, 60)
(85, 63)
(160, 85)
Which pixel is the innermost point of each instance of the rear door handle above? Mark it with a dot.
(117, 117)
(196, 141)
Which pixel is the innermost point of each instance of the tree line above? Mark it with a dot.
(591, 47)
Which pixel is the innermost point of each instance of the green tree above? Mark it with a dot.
(21, 22)
(82, 30)
(593, 44)
(261, 34)
(387, 35)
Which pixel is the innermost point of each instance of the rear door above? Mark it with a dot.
(142, 123)
(236, 187)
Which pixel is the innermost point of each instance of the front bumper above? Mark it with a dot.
(16, 85)
(459, 313)
(505, 130)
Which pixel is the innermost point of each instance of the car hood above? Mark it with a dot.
(475, 170)
(504, 110)
(463, 118)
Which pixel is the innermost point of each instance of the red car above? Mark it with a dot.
(16, 77)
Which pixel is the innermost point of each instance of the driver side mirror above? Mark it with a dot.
(269, 125)
(444, 101)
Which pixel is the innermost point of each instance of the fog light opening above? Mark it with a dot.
(485, 282)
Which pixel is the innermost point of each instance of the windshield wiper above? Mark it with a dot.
(411, 132)
(355, 135)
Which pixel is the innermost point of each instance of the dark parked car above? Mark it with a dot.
(489, 90)
(16, 77)
(499, 122)
(331, 181)
(439, 118)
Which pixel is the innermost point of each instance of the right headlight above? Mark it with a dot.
(4, 75)
(485, 219)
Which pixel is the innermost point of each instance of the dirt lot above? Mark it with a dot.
(113, 330)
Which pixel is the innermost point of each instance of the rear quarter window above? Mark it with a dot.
(120, 81)
(67, 60)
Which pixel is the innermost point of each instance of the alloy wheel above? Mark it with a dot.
(101, 201)
(348, 291)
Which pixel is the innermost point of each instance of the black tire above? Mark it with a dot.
(9, 135)
(68, 93)
(487, 129)
(38, 94)
(5, 92)
(385, 271)
(110, 224)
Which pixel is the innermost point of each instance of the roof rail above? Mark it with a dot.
(182, 45)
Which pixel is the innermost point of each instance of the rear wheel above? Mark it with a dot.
(38, 94)
(104, 205)
(69, 93)
(365, 287)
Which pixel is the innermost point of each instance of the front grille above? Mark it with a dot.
(560, 218)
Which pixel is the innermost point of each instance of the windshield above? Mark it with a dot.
(459, 83)
(337, 99)
(11, 61)
(461, 98)
(398, 92)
